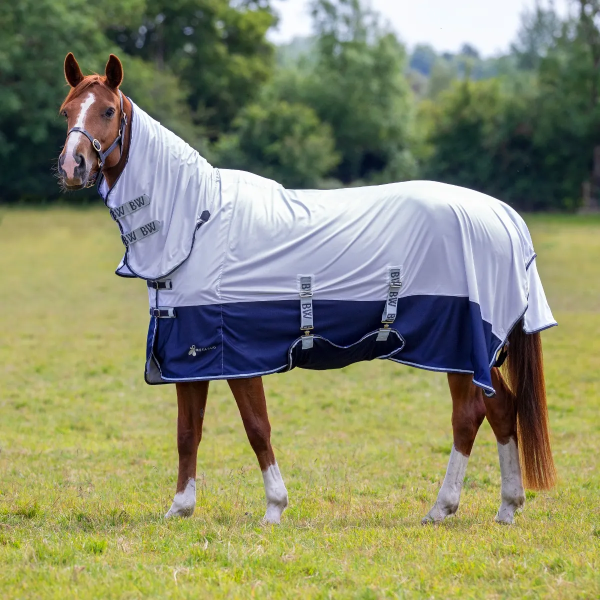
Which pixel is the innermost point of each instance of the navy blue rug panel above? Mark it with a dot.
(190, 345)
(246, 338)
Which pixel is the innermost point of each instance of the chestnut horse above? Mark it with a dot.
(99, 122)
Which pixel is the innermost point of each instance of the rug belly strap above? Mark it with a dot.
(163, 313)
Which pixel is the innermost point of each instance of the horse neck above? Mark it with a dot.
(111, 174)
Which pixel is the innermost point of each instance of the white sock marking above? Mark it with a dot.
(276, 492)
(69, 163)
(513, 494)
(184, 502)
(449, 494)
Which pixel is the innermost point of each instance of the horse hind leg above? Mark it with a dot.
(191, 404)
(250, 397)
(468, 412)
(501, 412)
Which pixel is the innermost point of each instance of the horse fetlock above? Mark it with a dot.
(444, 507)
(276, 493)
(275, 509)
(184, 502)
(509, 507)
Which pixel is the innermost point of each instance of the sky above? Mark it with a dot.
(489, 25)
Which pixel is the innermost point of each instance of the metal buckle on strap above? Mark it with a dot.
(166, 284)
(307, 341)
(162, 313)
(383, 334)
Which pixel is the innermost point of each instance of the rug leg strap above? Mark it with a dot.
(163, 313)
(165, 284)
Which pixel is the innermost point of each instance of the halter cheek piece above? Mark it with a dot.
(102, 156)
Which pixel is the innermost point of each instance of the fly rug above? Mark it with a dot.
(247, 278)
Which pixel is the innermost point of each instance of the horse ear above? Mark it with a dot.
(114, 72)
(73, 73)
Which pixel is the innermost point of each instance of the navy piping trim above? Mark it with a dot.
(435, 369)
(540, 329)
(125, 276)
(217, 377)
(485, 388)
(126, 262)
(285, 369)
(530, 261)
(152, 357)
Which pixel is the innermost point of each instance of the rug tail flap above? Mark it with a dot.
(538, 315)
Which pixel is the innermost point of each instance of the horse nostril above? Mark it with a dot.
(79, 160)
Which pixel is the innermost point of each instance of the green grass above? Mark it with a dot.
(88, 458)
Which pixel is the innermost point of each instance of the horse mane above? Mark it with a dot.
(88, 81)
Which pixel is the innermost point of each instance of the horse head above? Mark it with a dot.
(95, 121)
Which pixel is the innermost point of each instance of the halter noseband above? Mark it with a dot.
(102, 156)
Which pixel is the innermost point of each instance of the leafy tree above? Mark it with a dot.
(484, 136)
(537, 35)
(217, 48)
(356, 84)
(282, 141)
(423, 58)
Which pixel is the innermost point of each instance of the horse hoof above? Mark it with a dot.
(505, 518)
(180, 511)
(439, 513)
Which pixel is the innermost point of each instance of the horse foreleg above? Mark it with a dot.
(502, 415)
(191, 403)
(250, 397)
(468, 412)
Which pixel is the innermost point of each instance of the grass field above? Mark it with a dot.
(88, 458)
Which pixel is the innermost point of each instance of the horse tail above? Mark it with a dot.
(526, 377)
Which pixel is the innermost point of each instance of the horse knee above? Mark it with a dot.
(187, 441)
(501, 409)
(259, 435)
(466, 423)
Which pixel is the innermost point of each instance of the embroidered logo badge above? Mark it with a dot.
(141, 233)
(193, 350)
(129, 207)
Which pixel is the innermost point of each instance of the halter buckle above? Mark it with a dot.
(97, 145)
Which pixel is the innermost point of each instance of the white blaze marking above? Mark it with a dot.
(184, 502)
(69, 163)
(277, 496)
(449, 494)
(513, 494)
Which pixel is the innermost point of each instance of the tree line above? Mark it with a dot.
(347, 106)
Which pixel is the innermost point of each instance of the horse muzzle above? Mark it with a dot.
(75, 172)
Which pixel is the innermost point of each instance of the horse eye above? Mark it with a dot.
(64, 113)
(109, 112)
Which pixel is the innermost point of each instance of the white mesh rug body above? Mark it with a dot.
(248, 278)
